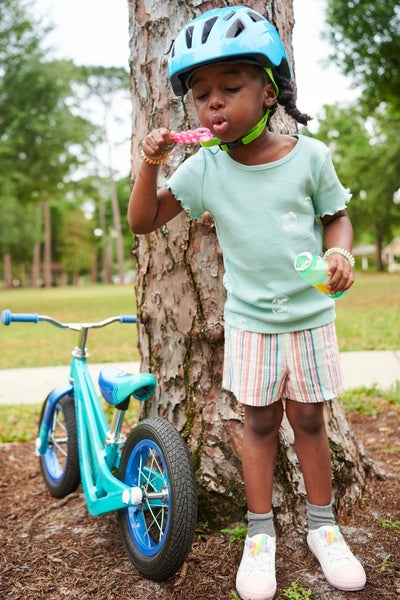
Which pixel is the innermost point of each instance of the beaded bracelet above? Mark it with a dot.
(154, 161)
(341, 251)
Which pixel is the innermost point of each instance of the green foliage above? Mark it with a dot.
(366, 37)
(19, 229)
(295, 592)
(363, 149)
(76, 243)
(48, 111)
(40, 132)
(386, 562)
(389, 524)
(19, 422)
(370, 401)
(238, 534)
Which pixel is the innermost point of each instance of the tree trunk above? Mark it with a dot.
(47, 272)
(7, 267)
(180, 299)
(35, 269)
(117, 227)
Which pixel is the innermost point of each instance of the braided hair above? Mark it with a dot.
(287, 98)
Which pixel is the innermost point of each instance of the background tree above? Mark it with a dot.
(364, 151)
(105, 88)
(77, 251)
(42, 138)
(366, 38)
(180, 296)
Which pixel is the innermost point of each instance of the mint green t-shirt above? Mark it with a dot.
(265, 215)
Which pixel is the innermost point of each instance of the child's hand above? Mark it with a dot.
(158, 143)
(340, 272)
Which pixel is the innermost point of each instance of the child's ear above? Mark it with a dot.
(270, 97)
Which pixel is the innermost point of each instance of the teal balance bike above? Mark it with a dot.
(146, 476)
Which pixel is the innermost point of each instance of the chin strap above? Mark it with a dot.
(253, 133)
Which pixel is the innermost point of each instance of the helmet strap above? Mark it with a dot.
(253, 133)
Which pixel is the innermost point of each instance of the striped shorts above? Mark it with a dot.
(260, 368)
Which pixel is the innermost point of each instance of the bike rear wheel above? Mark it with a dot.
(158, 533)
(60, 463)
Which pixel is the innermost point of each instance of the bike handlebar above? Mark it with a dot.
(8, 317)
(128, 319)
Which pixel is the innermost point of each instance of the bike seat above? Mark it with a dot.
(116, 385)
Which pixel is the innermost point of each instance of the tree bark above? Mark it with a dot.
(7, 268)
(35, 269)
(47, 272)
(180, 299)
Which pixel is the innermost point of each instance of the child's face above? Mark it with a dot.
(230, 98)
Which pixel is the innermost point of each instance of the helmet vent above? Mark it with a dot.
(229, 15)
(255, 16)
(208, 25)
(235, 29)
(189, 36)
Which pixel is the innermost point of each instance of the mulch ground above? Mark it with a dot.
(52, 549)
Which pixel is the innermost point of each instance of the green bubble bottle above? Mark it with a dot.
(313, 269)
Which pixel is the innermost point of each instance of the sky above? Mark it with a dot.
(91, 32)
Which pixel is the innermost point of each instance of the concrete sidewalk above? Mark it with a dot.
(27, 385)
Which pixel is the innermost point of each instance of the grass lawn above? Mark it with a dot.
(35, 345)
(368, 318)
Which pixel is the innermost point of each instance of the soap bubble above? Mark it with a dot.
(281, 305)
(289, 221)
(176, 156)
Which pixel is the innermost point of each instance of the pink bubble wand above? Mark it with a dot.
(193, 136)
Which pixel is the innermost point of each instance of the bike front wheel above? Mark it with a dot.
(158, 533)
(60, 463)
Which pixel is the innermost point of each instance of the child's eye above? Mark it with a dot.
(232, 90)
(200, 96)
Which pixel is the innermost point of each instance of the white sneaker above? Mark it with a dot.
(340, 566)
(255, 579)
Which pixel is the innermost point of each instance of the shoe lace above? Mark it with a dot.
(259, 559)
(334, 544)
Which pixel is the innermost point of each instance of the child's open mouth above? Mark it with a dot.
(219, 125)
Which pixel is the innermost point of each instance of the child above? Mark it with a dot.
(270, 195)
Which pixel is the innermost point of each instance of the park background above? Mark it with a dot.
(65, 144)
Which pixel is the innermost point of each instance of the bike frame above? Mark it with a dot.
(99, 445)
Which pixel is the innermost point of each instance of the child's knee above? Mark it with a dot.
(263, 421)
(306, 419)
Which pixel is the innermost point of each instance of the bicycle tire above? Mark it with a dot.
(60, 463)
(158, 534)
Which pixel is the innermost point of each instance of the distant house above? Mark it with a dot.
(365, 251)
(392, 255)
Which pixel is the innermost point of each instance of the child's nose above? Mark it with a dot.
(215, 100)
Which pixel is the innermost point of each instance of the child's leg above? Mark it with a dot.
(256, 575)
(340, 566)
(312, 449)
(261, 427)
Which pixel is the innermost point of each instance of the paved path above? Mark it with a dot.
(25, 385)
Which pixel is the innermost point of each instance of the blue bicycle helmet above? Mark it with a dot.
(233, 32)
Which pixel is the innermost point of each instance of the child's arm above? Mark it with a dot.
(148, 208)
(338, 233)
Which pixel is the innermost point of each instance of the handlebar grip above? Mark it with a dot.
(128, 319)
(7, 317)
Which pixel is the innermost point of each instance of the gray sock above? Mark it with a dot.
(319, 515)
(261, 523)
